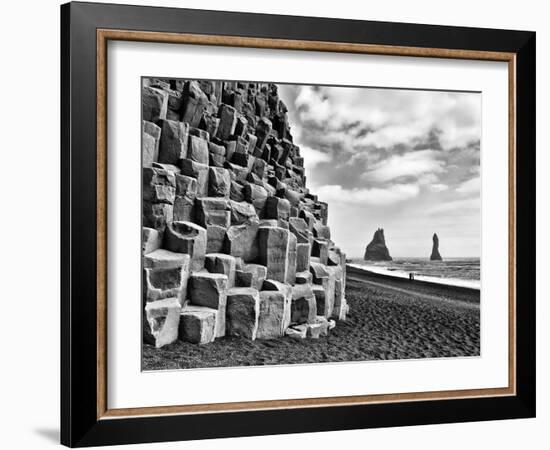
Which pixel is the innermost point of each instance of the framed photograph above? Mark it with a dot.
(277, 224)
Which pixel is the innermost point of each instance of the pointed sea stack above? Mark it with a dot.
(377, 250)
(435, 249)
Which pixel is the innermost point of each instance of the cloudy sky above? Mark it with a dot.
(403, 160)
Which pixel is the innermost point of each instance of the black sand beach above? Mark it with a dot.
(389, 318)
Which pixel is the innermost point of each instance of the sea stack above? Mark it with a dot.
(435, 249)
(377, 250)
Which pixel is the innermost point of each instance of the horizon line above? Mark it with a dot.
(426, 257)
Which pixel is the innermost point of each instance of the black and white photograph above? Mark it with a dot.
(272, 225)
(297, 224)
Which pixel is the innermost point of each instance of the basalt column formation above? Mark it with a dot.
(233, 243)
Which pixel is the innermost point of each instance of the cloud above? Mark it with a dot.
(470, 186)
(406, 160)
(378, 136)
(367, 196)
(312, 105)
(438, 187)
(390, 135)
(412, 164)
(387, 117)
(462, 207)
(313, 157)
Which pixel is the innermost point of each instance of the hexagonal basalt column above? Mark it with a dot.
(161, 321)
(243, 308)
(197, 324)
(273, 248)
(210, 289)
(188, 238)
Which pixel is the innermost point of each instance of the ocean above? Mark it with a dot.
(451, 271)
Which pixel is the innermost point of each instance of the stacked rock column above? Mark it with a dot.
(233, 242)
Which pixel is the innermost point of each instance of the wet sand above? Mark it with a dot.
(389, 318)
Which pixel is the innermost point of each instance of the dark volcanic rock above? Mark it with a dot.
(435, 250)
(377, 250)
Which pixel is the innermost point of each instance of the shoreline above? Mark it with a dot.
(353, 268)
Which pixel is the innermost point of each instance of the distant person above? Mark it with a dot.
(411, 276)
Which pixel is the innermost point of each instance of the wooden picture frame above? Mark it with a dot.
(85, 417)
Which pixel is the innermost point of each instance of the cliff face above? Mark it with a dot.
(435, 256)
(377, 250)
(233, 241)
